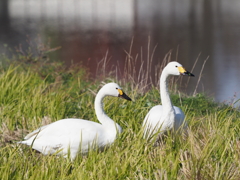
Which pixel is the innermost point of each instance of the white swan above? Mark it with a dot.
(166, 116)
(77, 135)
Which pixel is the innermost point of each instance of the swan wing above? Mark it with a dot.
(67, 134)
(179, 118)
(153, 121)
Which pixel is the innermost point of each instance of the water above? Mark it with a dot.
(87, 29)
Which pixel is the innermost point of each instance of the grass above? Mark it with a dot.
(34, 94)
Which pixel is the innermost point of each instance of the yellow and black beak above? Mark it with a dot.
(123, 95)
(184, 72)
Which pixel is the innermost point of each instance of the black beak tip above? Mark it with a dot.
(189, 74)
(127, 98)
(124, 96)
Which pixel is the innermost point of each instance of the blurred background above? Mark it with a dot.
(87, 30)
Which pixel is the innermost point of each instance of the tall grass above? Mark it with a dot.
(31, 97)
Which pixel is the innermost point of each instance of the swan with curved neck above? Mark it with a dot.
(165, 117)
(78, 135)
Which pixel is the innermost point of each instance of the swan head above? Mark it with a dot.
(113, 89)
(175, 68)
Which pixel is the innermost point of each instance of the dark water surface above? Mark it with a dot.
(88, 29)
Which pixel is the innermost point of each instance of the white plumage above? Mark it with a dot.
(165, 117)
(78, 135)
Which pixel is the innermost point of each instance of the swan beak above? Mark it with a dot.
(188, 74)
(123, 95)
(184, 72)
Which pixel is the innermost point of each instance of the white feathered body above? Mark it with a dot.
(158, 121)
(77, 135)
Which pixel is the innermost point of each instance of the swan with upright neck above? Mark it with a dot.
(78, 135)
(165, 117)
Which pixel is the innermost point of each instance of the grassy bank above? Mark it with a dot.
(36, 94)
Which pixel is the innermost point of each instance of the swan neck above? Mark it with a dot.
(165, 98)
(101, 115)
